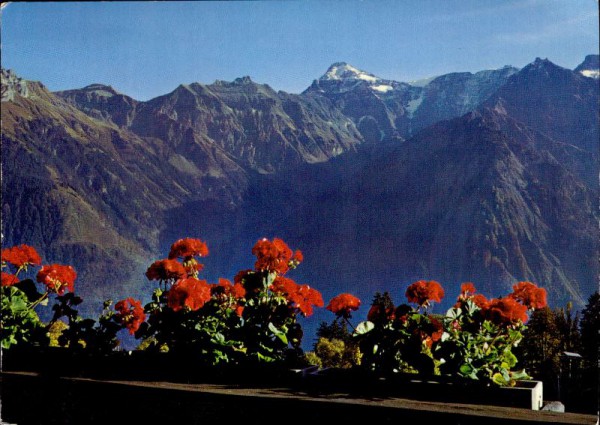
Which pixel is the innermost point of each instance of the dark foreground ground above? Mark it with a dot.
(33, 398)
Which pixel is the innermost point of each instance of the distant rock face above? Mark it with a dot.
(560, 103)
(385, 110)
(102, 102)
(452, 95)
(255, 125)
(488, 177)
(11, 85)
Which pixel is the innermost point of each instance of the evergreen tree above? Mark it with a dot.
(590, 328)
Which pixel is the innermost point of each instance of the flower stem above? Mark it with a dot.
(38, 301)
(349, 324)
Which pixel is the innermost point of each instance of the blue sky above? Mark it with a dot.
(146, 49)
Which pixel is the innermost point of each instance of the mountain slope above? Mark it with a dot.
(558, 102)
(462, 201)
(88, 194)
(259, 128)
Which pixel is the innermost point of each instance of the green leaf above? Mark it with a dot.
(453, 313)
(498, 379)
(278, 333)
(468, 371)
(363, 328)
(264, 358)
(510, 359)
(519, 374)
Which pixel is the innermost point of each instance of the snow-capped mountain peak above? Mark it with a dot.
(344, 71)
(342, 77)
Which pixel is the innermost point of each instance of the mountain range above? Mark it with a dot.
(489, 177)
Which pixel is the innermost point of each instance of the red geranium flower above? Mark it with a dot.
(283, 285)
(298, 257)
(20, 256)
(305, 298)
(302, 297)
(480, 301)
(224, 287)
(191, 293)
(505, 311)
(422, 292)
(467, 292)
(467, 289)
(130, 314)
(187, 248)
(166, 270)
(431, 332)
(273, 256)
(343, 305)
(9, 279)
(529, 295)
(57, 278)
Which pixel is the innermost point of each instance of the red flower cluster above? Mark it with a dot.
(529, 295)
(166, 270)
(431, 332)
(467, 289)
(505, 311)
(9, 279)
(343, 305)
(303, 297)
(187, 248)
(467, 292)
(20, 256)
(190, 293)
(57, 278)
(423, 291)
(225, 288)
(275, 256)
(130, 314)
(508, 310)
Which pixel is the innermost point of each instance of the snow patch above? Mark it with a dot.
(345, 71)
(591, 73)
(382, 88)
(366, 77)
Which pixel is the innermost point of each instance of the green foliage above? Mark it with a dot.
(548, 334)
(206, 332)
(479, 349)
(336, 346)
(19, 323)
(335, 353)
(334, 330)
(403, 344)
(80, 333)
(475, 340)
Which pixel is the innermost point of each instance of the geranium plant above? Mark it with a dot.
(473, 340)
(20, 323)
(252, 318)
